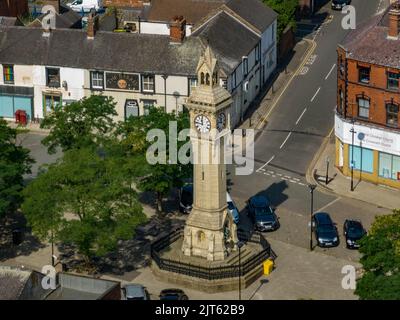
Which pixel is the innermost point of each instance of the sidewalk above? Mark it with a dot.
(378, 195)
(31, 126)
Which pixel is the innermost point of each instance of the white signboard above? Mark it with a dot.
(374, 138)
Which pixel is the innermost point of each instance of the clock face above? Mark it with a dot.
(202, 123)
(221, 121)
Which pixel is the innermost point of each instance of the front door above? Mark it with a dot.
(50, 102)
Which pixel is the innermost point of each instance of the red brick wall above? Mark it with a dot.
(376, 90)
(13, 8)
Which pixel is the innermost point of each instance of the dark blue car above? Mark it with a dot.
(325, 230)
(262, 214)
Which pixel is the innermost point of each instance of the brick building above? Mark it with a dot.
(367, 124)
(13, 8)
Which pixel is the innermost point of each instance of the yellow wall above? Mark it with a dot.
(371, 177)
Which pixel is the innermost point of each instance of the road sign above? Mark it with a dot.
(361, 136)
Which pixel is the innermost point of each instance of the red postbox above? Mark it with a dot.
(17, 116)
(23, 119)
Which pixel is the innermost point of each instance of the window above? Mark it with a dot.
(148, 83)
(393, 80)
(342, 67)
(97, 80)
(392, 114)
(50, 102)
(233, 80)
(192, 84)
(363, 74)
(147, 105)
(363, 107)
(389, 166)
(245, 66)
(270, 62)
(257, 53)
(361, 157)
(8, 74)
(53, 77)
(341, 100)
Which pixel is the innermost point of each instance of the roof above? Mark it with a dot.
(369, 43)
(66, 19)
(254, 12)
(229, 39)
(192, 10)
(12, 282)
(128, 52)
(10, 21)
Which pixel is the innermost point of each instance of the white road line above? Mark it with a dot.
(312, 99)
(279, 174)
(283, 143)
(329, 73)
(267, 163)
(329, 204)
(301, 183)
(301, 116)
(295, 179)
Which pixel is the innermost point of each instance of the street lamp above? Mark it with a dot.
(327, 170)
(352, 155)
(312, 188)
(240, 245)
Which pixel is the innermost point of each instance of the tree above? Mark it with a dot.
(84, 199)
(79, 124)
(161, 177)
(286, 10)
(380, 251)
(14, 163)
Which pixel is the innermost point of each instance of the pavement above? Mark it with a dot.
(379, 195)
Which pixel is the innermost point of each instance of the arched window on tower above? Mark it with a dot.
(207, 79)
(202, 78)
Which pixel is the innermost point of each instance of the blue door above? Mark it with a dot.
(6, 107)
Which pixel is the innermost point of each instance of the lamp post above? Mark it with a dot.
(165, 77)
(352, 155)
(327, 170)
(240, 245)
(312, 188)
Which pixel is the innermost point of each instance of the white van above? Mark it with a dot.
(86, 5)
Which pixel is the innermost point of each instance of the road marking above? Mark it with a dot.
(312, 99)
(283, 143)
(267, 163)
(298, 120)
(300, 183)
(333, 67)
(329, 204)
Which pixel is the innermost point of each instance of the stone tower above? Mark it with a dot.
(210, 231)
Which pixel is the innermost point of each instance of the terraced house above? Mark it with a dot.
(154, 66)
(367, 122)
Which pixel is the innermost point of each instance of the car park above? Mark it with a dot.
(134, 291)
(325, 230)
(262, 214)
(173, 294)
(353, 231)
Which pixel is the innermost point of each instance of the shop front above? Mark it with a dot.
(15, 98)
(371, 152)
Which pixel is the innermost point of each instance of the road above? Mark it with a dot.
(294, 132)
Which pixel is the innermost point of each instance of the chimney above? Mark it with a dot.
(394, 19)
(177, 29)
(92, 25)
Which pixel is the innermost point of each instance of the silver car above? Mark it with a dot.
(134, 292)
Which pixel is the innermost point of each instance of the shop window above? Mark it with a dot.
(389, 166)
(362, 159)
(8, 74)
(50, 102)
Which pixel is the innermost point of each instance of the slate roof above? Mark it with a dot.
(369, 43)
(254, 12)
(192, 10)
(66, 19)
(10, 21)
(12, 282)
(229, 40)
(127, 52)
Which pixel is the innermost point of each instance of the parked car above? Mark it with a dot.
(134, 292)
(339, 4)
(262, 214)
(325, 230)
(86, 5)
(173, 294)
(186, 202)
(353, 231)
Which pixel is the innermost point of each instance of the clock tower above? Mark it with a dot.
(209, 231)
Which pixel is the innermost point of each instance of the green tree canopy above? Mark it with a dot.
(158, 178)
(84, 199)
(79, 124)
(380, 251)
(14, 163)
(286, 10)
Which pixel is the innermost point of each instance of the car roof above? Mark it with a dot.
(188, 187)
(259, 201)
(354, 223)
(134, 290)
(323, 217)
(171, 291)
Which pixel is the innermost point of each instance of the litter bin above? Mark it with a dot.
(17, 236)
(268, 266)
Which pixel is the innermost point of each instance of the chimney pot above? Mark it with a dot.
(177, 29)
(394, 20)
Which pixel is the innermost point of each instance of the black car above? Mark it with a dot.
(173, 294)
(325, 230)
(353, 231)
(339, 4)
(262, 214)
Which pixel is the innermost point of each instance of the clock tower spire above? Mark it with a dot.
(210, 231)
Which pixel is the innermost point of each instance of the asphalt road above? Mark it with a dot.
(295, 130)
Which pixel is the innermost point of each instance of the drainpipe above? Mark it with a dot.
(165, 77)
